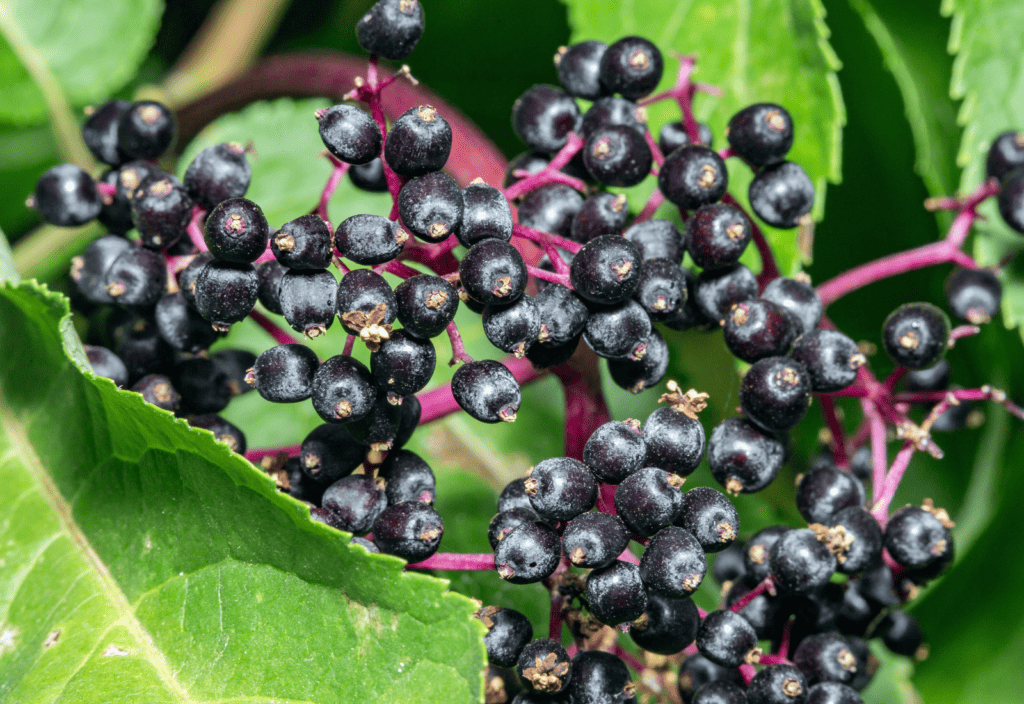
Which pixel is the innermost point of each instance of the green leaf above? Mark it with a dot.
(756, 51)
(90, 48)
(140, 558)
(8, 272)
(989, 52)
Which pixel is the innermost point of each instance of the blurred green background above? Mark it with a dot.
(480, 57)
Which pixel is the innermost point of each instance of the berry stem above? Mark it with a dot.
(659, 158)
(726, 153)
(606, 498)
(541, 237)
(628, 658)
(195, 228)
(774, 659)
(879, 460)
(585, 409)
(982, 394)
(106, 190)
(961, 331)
(787, 636)
(257, 454)
(459, 353)
(880, 510)
(281, 336)
(769, 267)
(402, 271)
(350, 342)
(371, 94)
(828, 411)
(682, 92)
(556, 259)
(549, 276)
(333, 181)
(438, 403)
(765, 585)
(651, 206)
(545, 176)
(747, 672)
(465, 562)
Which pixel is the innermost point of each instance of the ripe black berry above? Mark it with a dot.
(799, 562)
(308, 300)
(901, 633)
(544, 116)
(758, 328)
(861, 535)
(727, 639)
(797, 297)
(106, 364)
(89, 270)
(647, 372)
(225, 293)
(562, 316)
(66, 196)
(594, 539)
(219, 172)
(600, 214)
(616, 155)
(579, 69)
(777, 684)
(329, 453)
(761, 134)
(410, 530)
(369, 239)
(606, 270)
(717, 235)
(349, 133)
(204, 385)
(666, 626)
(561, 488)
(1005, 155)
(600, 678)
(697, 670)
(158, 390)
(426, 304)
(115, 213)
(710, 517)
(504, 521)
(673, 563)
(728, 565)
(486, 215)
(361, 292)
(379, 429)
(237, 231)
(403, 365)
(917, 538)
(615, 450)
(544, 667)
(649, 500)
(487, 391)
(303, 243)
(419, 142)
(136, 278)
(632, 67)
(269, 274)
(720, 693)
(512, 328)
(369, 177)
(236, 363)
(161, 210)
(675, 441)
(508, 632)
(431, 206)
(145, 131)
(717, 291)
(407, 477)
(618, 331)
(514, 496)
(616, 594)
(673, 135)
(832, 359)
(222, 430)
(138, 344)
(757, 551)
(528, 553)
(916, 335)
(493, 272)
(781, 194)
(285, 374)
(822, 492)
(775, 393)
(974, 295)
(662, 290)
(181, 326)
(609, 111)
(391, 28)
(826, 657)
(99, 131)
(356, 501)
(744, 459)
(551, 209)
(693, 176)
(832, 693)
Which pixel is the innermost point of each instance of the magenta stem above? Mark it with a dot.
(549, 276)
(402, 271)
(651, 206)
(465, 562)
(438, 403)
(769, 267)
(350, 342)
(541, 237)
(659, 158)
(747, 672)
(787, 635)
(257, 454)
(765, 585)
(828, 411)
(628, 658)
(628, 556)
(774, 659)
(879, 458)
(545, 176)
(606, 498)
(459, 353)
(892, 482)
(962, 331)
(585, 409)
(556, 259)
(726, 153)
(333, 181)
(276, 331)
(195, 228)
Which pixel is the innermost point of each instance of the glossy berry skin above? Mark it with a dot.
(673, 564)
(600, 214)
(657, 239)
(865, 551)
(600, 678)
(615, 451)
(426, 304)
(673, 135)
(158, 390)
(579, 69)
(403, 365)
(775, 393)
(761, 134)
(726, 638)
(115, 215)
(716, 292)
(411, 530)
(486, 215)
(649, 500)
(391, 28)
(916, 335)
(616, 594)
(831, 358)
(544, 667)
(710, 517)
(181, 326)
(757, 551)
(720, 693)
(512, 328)
(616, 155)
(236, 363)
(781, 194)
(693, 176)
(219, 172)
(329, 453)
(822, 492)
(610, 110)
(832, 693)
(145, 131)
(825, 657)
(901, 633)
(407, 477)
(606, 270)
(916, 538)
(631, 67)
(285, 374)
(204, 385)
(504, 521)
(1005, 155)
(550, 208)
(717, 235)
(369, 239)
(743, 458)
(667, 625)
(136, 278)
(89, 270)
(342, 390)
(308, 300)
(356, 501)
(99, 131)
(798, 298)
(618, 331)
(269, 274)
(66, 196)
(222, 430)
(431, 206)
(974, 295)
(138, 344)
(161, 210)
(487, 391)
(493, 272)
(369, 177)
(360, 292)
(778, 684)
(561, 488)
(562, 316)
(508, 632)
(528, 553)
(237, 231)
(674, 441)
(543, 117)
(349, 134)
(514, 496)
(635, 376)
(594, 539)
(418, 142)
(799, 562)
(757, 328)
(304, 243)
(379, 429)
(106, 364)
(697, 670)
(662, 290)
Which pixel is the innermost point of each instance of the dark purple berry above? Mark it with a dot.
(728, 565)
(528, 553)
(161, 210)
(610, 110)
(901, 633)
(666, 626)
(370, 239)
(832, 693)
(550, 208)
(825, 657)
(727, 639)
(349, 133)
(675, 441)
(391, 28)
(548, 356)
(116, 212)
(285, 374)
(486, 215)
(579, 69)
(615, 451)
(410, 530)
(407, 477)
(831, 358)
(426, 304)
(616, 594)
(431, 206)
(720, 693)
(645, 373)
(697, 670)
(356, 501)
(1005, 155)
(861, 535)
(508, 632)
(561, 488)
(799, 563)
(308, 300)
(342, 390)
(100, 131)
(329, 453)
(618, 331)
(710, 517)
(303, 243)
(600, 214)
(418, 142)
(219, 172)
(504, 521)
(717, 291)
(917, 538)
(600, 678)
(662, 290)
(514, 496)
(632, 67)
(544, 116)
(744, 459)
(916, 335)
(775, 393)
(757, 328)
(822, 492)
(269, 274)
(222, 430)
(493, 272)
(606, 270)
(237, 231)
(403, 365)
(673, 563)
(138, 344)
(364, 297)
(778, 684)
(512, 328)
(757, 552)
(66, 196)
(106, 364)
(781, 194)
(544, 668)
(369, 177)
(594, 539)
(974, 295)
(562, 316)
(89, 269)
(716, 235)
(693, 176)
(136, 278)
(181, 326)
(657, 239)
(158, 390)
(797, 297)
(649, 500)
(204, 385)
(673, 135)
(380, 428)
(616, 155)
(761, 134)
(145, 131)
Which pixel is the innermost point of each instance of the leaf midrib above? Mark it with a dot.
(22, 448)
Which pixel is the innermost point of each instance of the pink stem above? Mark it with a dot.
(726, 153)
(402, 271)
(257, 454)
(606, 498)
(553, 177)
(585, 409)
(541, 237)
(438, 403)
(765, 585)
(350, 342)
(543, 177)
(106, 190)
(651, 206)
(701, 612)
(769, 267)
(628, 658)
(456, 561)
(459, 353)
(828, 410)
(984, 393)
(333, 181)
(879, 459)
(659, 158)
(880, 510)
(787, 635)
(555, 617)
(774, 660)
(195, 228)
(894, 378)
(747, 672)
(628, 556)
(279, 334)
(962, 331)
(549, 276)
